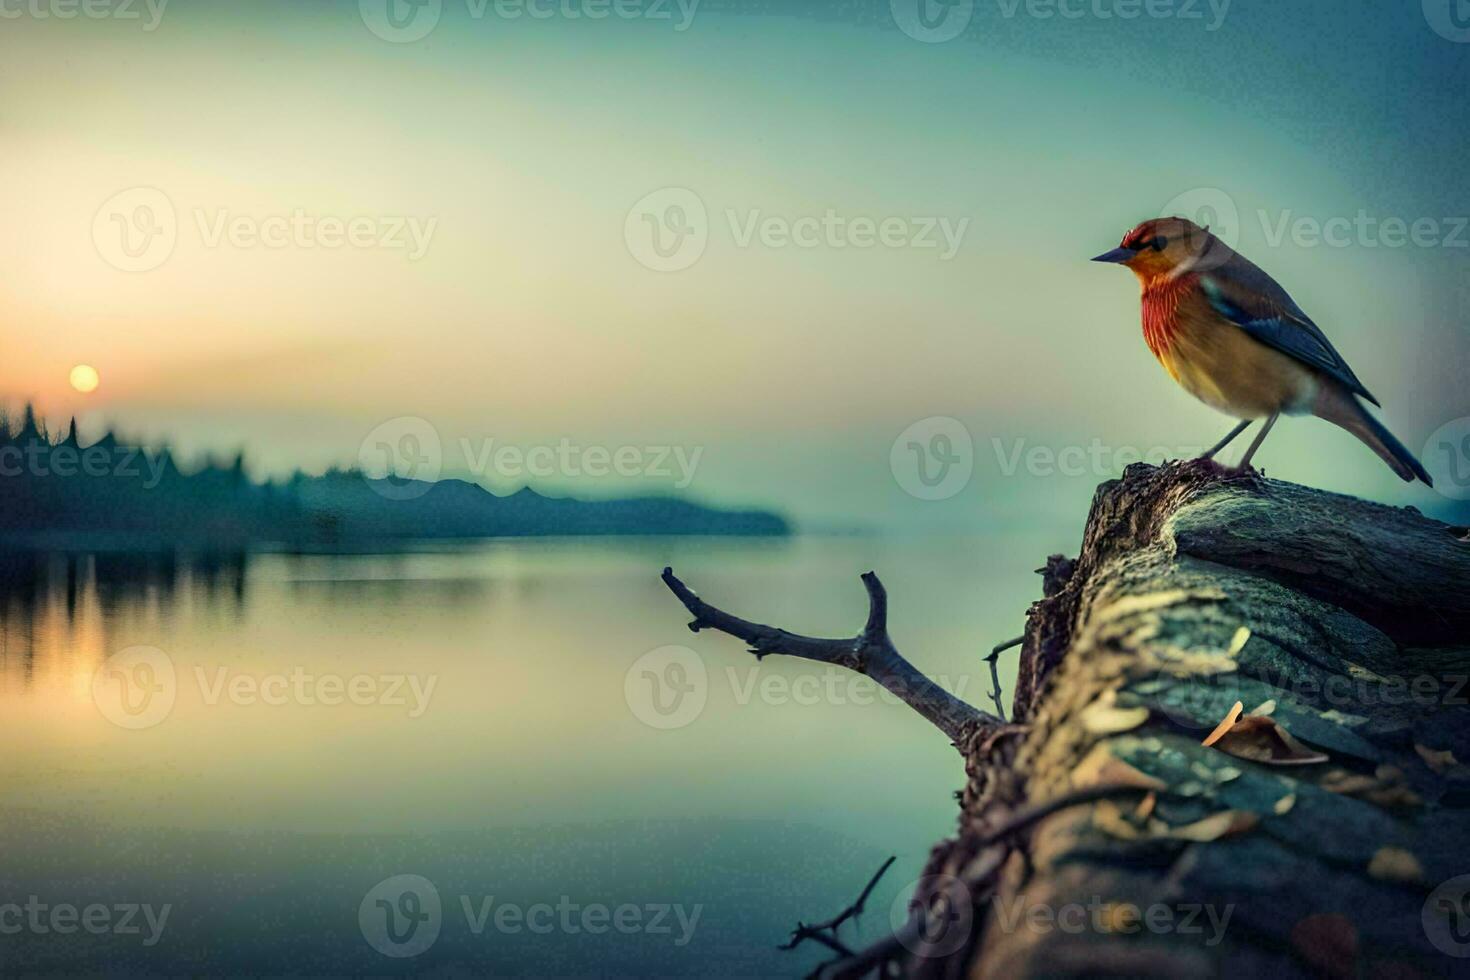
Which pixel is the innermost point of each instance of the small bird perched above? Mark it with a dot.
(1235, 340)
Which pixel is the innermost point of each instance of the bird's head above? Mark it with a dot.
(1165, 247)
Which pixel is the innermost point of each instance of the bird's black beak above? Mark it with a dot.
(1119, 254)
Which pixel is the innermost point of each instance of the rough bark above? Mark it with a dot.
(1344, 623)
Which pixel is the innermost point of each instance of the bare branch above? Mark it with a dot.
(1001, 648)
(871, 652)
(995, 691)
(764, 640)
(877, 606)
(819, 931)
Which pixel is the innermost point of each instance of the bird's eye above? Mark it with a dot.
(1159, 243)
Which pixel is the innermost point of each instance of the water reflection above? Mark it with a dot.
(528, 773)
(57, 610)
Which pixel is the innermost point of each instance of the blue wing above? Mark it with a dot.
(1268, 314)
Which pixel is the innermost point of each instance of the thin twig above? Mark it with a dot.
(819, 931)
(871, 652)
(1001, 648)
(909, 937)
(995, 691)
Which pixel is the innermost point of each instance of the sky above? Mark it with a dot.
(760, 258)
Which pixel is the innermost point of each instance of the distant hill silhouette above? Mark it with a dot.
(57, 493)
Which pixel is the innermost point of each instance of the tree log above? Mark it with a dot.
(1314, 835)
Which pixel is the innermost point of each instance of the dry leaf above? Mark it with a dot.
(1358, 673)
(1107, 719)
(1118, 917)
(1134, 604)
(1238, 641)
(1264, 708)
(1392, 789)
(1225, 725)
(1387, 787)
(1396, 864)
(1101, 767)
(1343, 718)
(1440, 760)
(1146, 806)
(1108, 817)
(1262, 740)
(1216, 826)
(1283, 806)
(1347, 783)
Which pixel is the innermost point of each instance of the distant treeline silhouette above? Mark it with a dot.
(58, 492)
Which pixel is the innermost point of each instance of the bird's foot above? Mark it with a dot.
(1246, 472)
(1214, 469)
(1207, 465)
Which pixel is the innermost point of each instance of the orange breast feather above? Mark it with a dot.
(1161, 312)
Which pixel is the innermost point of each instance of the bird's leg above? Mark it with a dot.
(1245, 461)
(1229, 438)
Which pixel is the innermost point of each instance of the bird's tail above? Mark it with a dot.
(1342, 408)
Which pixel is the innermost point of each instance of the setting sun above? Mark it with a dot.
(84, 378)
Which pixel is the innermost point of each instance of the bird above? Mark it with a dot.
(1232, 337)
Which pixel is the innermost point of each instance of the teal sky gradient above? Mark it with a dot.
(530, 320)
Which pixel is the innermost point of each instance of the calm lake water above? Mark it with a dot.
(258, 747)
